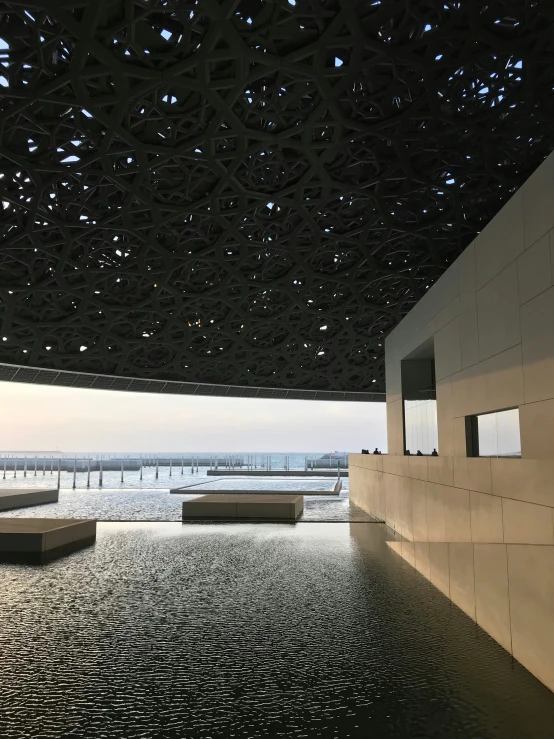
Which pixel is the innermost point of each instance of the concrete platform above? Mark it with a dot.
(275, 473)
(23, 497)
(244, 507)
(39, 540)
(191, 491)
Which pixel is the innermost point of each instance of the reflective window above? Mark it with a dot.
(420, 423)
(498, 434)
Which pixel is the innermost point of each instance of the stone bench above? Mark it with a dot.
(244, 507)
(38, 540)
(22, 498)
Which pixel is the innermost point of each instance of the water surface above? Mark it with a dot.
(171, 631)
(152, 501)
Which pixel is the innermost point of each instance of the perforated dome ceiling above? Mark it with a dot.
(251, 193)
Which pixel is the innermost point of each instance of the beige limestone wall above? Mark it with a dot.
(492, 318)
(482, 531)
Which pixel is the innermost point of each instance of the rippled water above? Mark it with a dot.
(158, 505)
(170, 631)
(164, 481)
(146, 504)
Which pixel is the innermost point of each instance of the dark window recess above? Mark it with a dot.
(419, 406)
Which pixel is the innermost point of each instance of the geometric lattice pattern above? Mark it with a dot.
(252, 193)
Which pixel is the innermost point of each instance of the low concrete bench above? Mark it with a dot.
(38, 540)
(224, 472)
(244, 507)
(23, 497)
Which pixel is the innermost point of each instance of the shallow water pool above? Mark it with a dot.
(164, 630)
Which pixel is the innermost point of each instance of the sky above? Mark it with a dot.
(43, 418)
